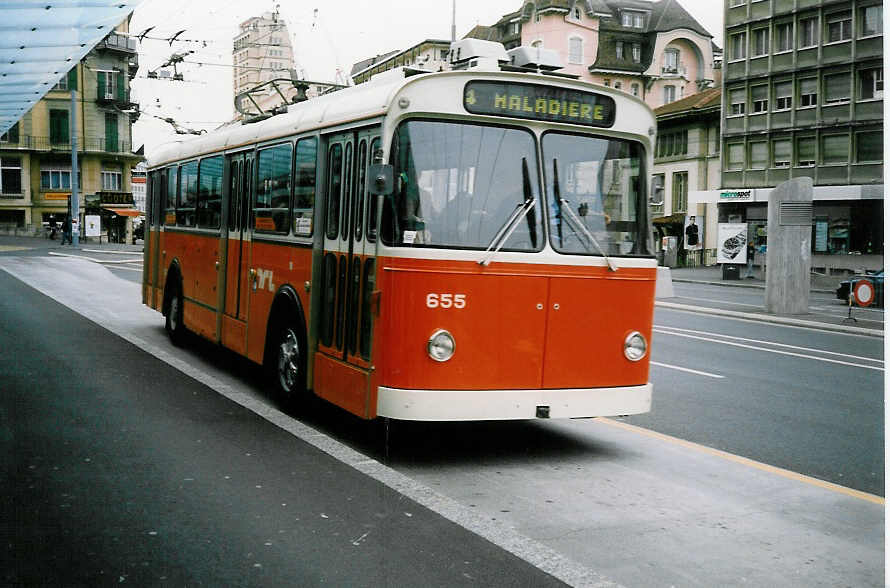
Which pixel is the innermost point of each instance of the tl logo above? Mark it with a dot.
(262, 277)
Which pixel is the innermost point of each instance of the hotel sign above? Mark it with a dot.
(736, 196)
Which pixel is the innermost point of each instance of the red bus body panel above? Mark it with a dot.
(524, 326)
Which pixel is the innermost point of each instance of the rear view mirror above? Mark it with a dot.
(380, 180)
(656, 192)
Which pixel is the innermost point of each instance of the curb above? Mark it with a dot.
(768, 318)
(741, 284)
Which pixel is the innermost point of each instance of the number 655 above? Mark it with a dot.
(434, 300)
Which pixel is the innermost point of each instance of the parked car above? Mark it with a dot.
(877, 280)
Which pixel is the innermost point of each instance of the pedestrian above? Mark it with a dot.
(66, 231)
(52, 228)
(749, 271)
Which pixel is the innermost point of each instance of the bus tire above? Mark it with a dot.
(287, 364)
(173, 323)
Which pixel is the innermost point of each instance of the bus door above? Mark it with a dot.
(361, 255)
(336, 377)
(237, 248)
(157, 191)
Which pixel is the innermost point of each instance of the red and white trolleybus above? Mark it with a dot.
(460, 245)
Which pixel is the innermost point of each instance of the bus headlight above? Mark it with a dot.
(635, 346)
(441, 345)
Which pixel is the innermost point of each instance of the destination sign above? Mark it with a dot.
(538, 102)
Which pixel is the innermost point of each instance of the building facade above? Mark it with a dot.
(654, 50)
(261, 52)
(687, 161)
(35, 154)
(430, 54)
(803, 96)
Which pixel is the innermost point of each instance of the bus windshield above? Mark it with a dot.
(458, 186)
(594, 194)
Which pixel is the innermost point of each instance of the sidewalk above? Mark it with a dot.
(37, 244)
(713, 274)
(868, 322)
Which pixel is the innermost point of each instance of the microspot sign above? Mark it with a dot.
(736, 195)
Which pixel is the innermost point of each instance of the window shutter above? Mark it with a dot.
(72, 79)
(121, 97)
(837, 87)
(101, 85)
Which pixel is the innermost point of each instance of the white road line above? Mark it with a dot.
(777, 351)
(682, 369)
(114, 251)
(761, 341)
(721, 301)
(132, 269)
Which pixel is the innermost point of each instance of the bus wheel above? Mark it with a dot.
(288, 365)
(173, 324)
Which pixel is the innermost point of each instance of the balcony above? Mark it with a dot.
(119, 96)
(673, 71)
(101, 145)
(132, 65)
(118, 42)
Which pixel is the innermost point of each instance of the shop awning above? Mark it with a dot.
(676, 218)
(124, 211)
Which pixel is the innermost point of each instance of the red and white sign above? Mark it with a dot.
(864, 292)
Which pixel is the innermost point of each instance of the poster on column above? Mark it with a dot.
(732, 243)
(692, 235)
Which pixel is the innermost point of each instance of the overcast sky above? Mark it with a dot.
(341, 34)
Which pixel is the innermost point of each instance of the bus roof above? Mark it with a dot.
(355, 103)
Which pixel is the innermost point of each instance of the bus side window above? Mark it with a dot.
(347, 193)
(210, 174)
(358, 207)
(273, 189)
(335, 166)
(304, 186)
(234, 193)
(373, 201)
(172, 190)
(188, 195)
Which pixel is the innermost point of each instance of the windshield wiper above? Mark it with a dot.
(564, 206)
(506, 230)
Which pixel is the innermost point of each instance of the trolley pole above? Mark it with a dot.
(75, 209)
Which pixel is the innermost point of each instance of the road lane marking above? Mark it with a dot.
(777, 351)
(759, 318)
(114, 251)
(775, 344)
(102, 261)
(682, 369)
(721, 301)
(746, 461)
(132, 269)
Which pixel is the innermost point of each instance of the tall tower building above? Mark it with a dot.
(262, 52)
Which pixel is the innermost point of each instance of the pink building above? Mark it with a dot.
(655, 50)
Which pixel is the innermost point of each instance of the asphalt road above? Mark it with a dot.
(638, 508)
(118, 468)
(806, 400)
(823, 305)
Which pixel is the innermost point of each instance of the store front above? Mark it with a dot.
(848, 224)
